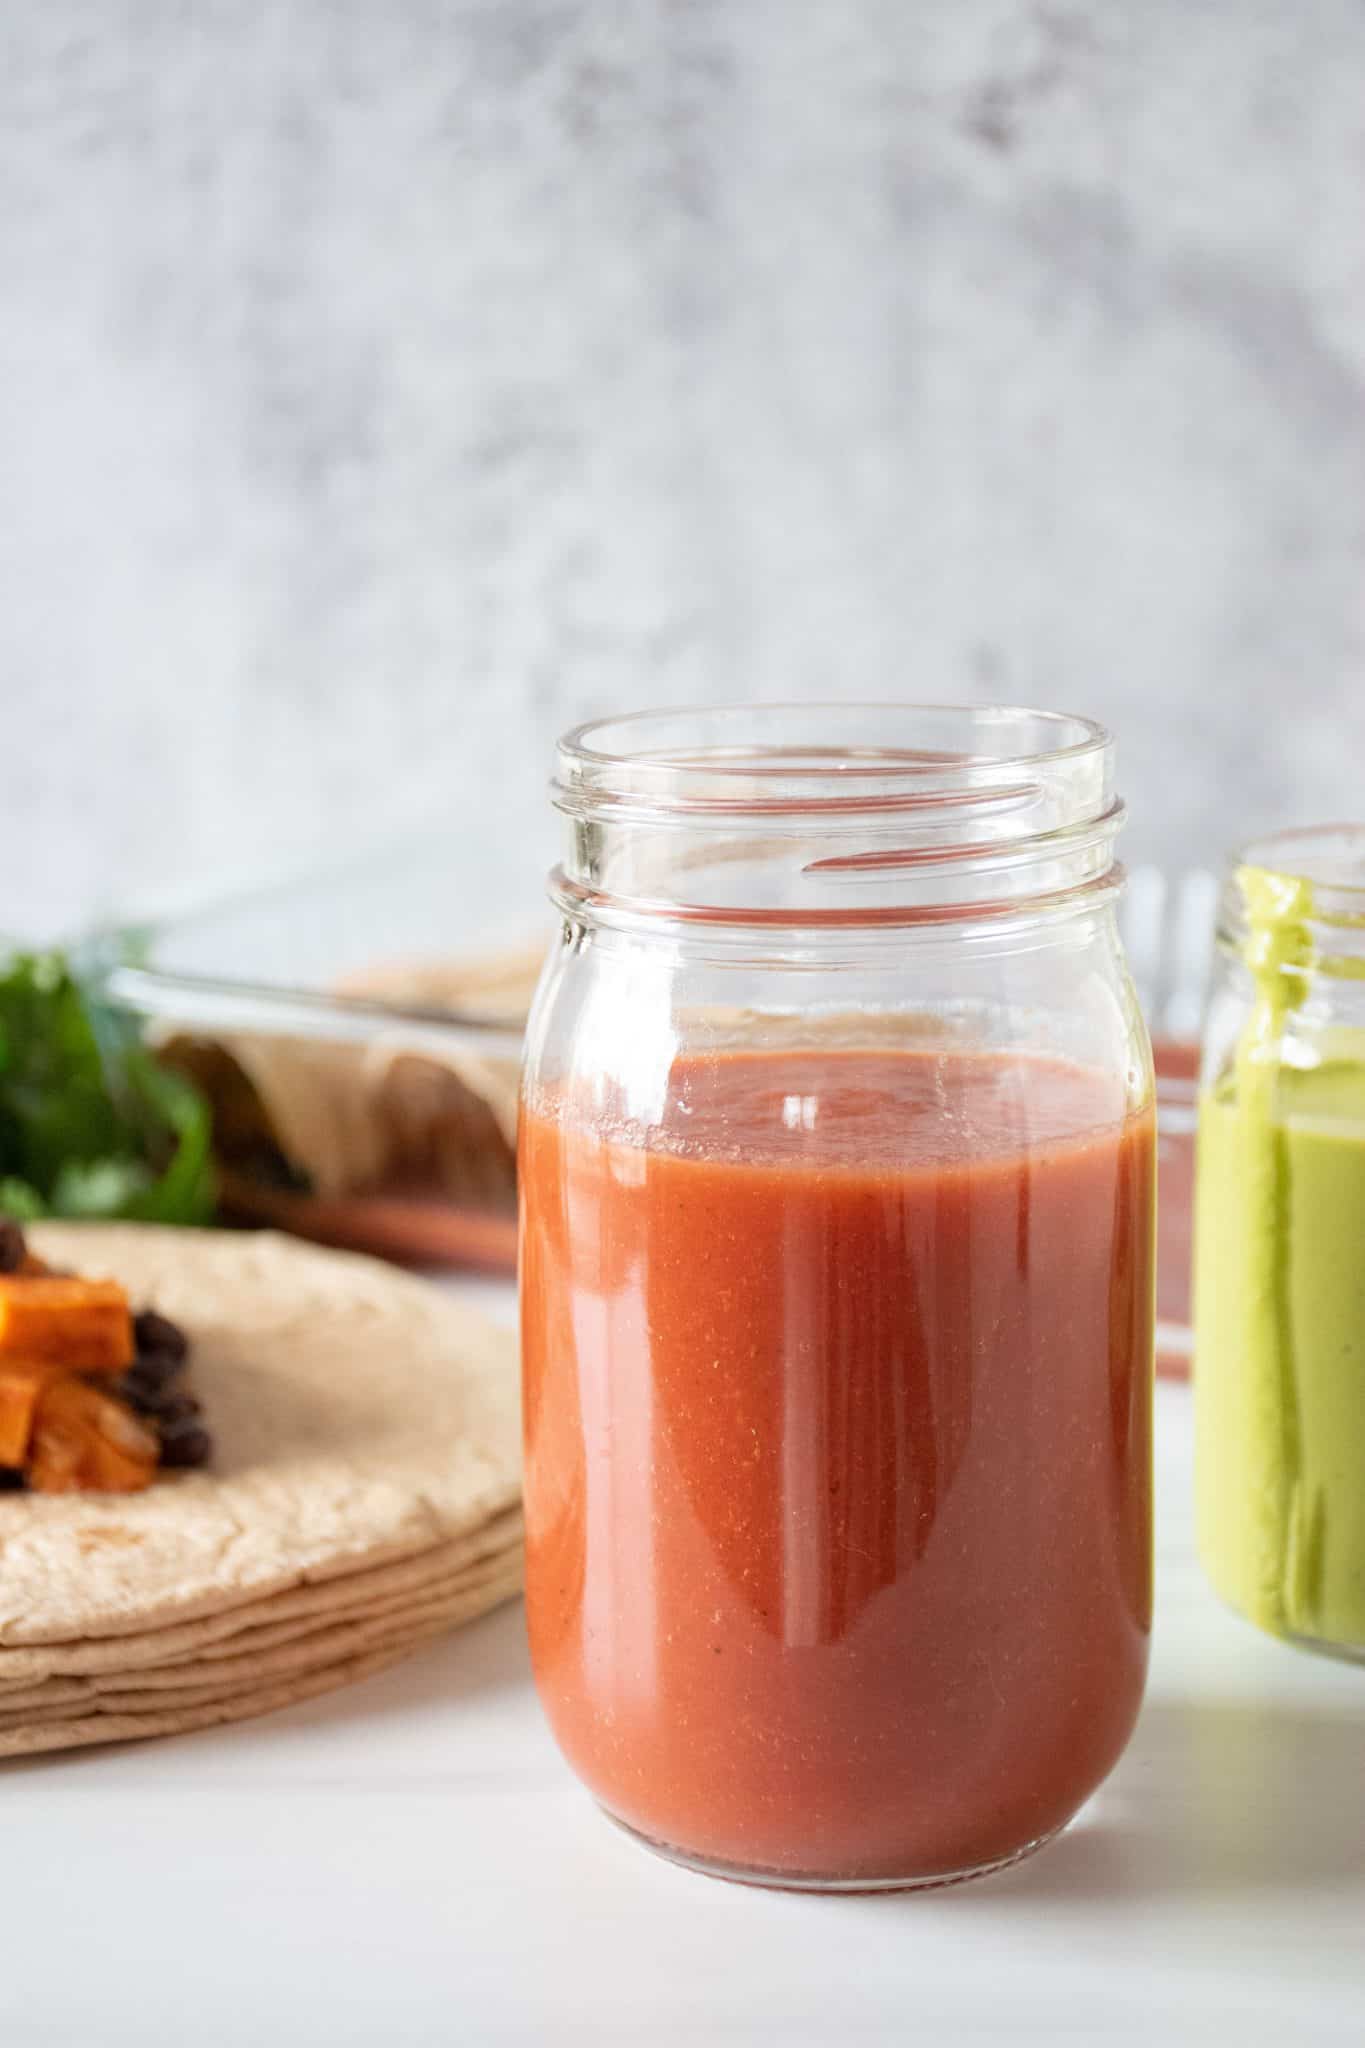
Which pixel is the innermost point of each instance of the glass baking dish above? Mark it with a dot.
(358, 1030)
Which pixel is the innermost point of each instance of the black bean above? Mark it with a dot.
(154, 1370)
(188, 1446)
(13, 1246)
(174, 1409)
(157, 1333)
(134, 1391)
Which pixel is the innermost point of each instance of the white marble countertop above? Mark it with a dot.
(409, 1861)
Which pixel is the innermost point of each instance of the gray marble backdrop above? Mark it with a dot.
(386, 383)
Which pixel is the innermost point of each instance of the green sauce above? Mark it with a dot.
(1280, 1300)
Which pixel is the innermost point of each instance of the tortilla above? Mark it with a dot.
(412, 1106)
(359, 1416)
(278, 1618)
(495, 988)
(252, 1650)
(195, 1683)
(81, 1731)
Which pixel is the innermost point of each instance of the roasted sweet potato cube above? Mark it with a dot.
(112, 1470)
(22, 1381)
(81, 1324)
(85, 1441)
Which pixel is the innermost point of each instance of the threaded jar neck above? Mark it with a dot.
(819, 814)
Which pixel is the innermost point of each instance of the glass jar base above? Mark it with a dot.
(1323, 1646)
(795, 1881)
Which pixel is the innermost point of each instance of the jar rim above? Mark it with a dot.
(838, 812)
(1329, 858)
(818, 755)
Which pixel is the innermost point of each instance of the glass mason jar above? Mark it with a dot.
(1280, 1243)
(836, 1167)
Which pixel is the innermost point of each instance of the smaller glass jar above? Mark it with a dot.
(836, 1173)
(1280, 1243)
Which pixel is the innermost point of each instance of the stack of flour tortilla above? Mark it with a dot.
(363, 1497)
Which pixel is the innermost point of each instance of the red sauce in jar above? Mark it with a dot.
(837, 1414)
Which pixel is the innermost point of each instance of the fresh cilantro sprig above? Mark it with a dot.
(90, 1125)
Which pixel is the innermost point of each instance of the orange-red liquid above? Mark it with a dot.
(837, 1414)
